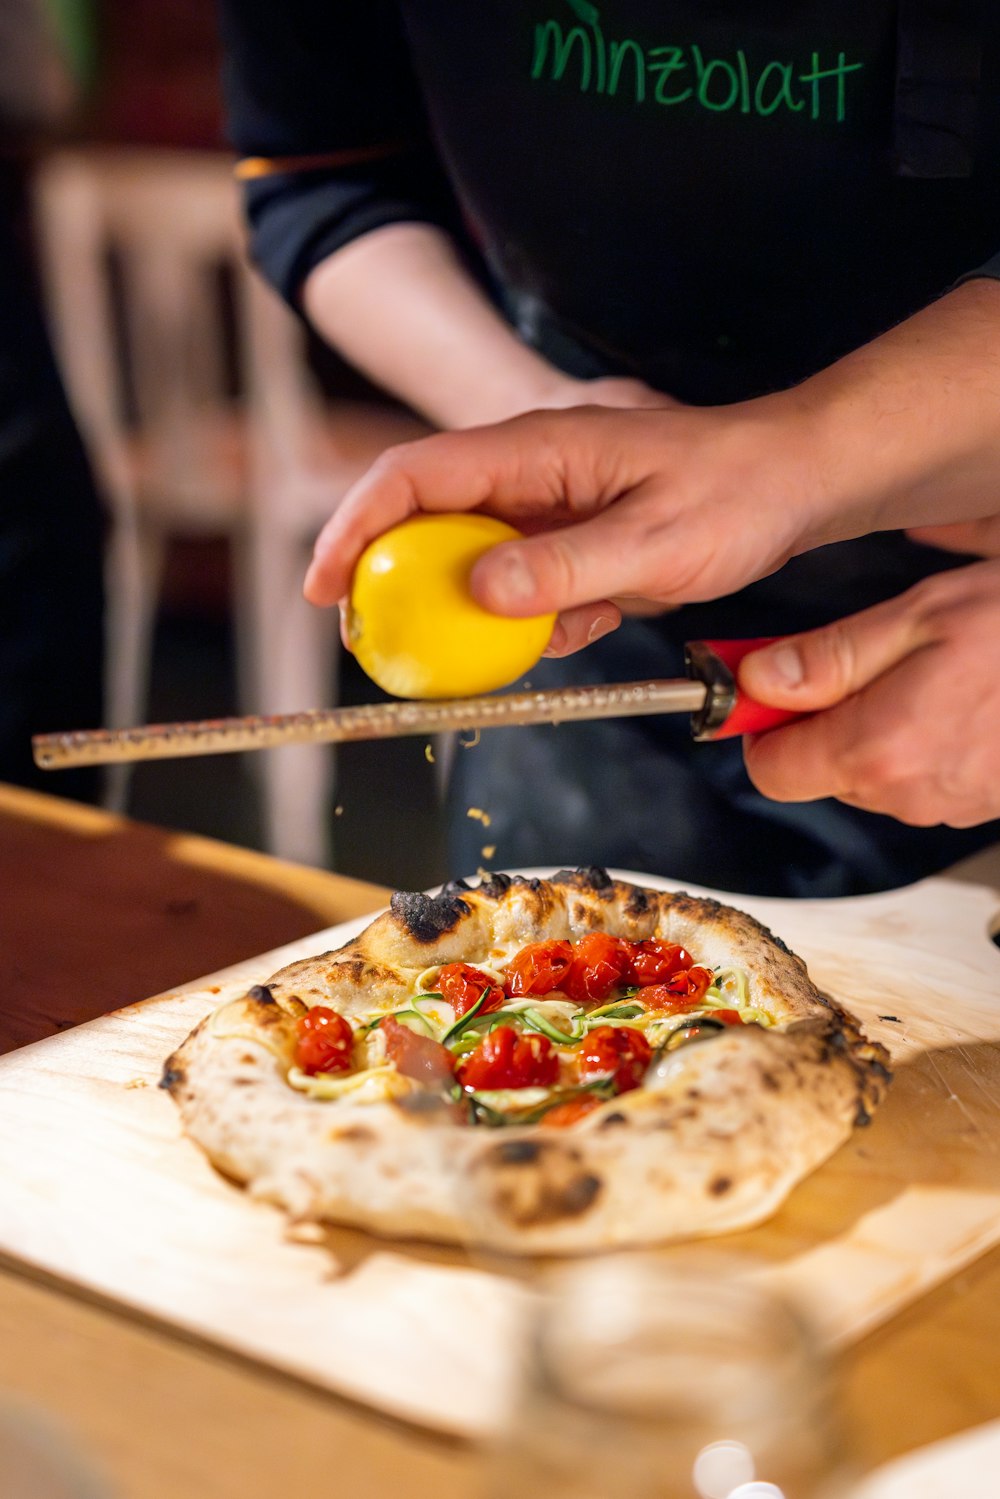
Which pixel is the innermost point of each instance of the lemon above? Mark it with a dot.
(413, 623)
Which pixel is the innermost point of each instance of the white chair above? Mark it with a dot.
(191, 386)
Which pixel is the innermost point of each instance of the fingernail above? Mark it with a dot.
(509, 580)
(784, 666)
(309, 582)
(603, 625)
(345, 627)
(557, 641)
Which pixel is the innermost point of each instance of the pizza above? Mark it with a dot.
(538, 1065)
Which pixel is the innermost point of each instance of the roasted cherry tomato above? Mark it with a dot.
(539, 968)
(461, 985)
(693, 982)
(599, 965)
(728, 1017)
(681, 991)
(659, 997)
(503, 1059)
(324, 1041)
(414, 1055)
(569, 1112)
(616, 1050)
(653, 961)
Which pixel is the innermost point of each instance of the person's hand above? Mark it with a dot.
(651, 506)
(658, 507)
(906, 704)
(608, 390)
(679, 504)
(976, 538)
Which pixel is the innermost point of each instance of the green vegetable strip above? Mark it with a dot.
(465, 1020)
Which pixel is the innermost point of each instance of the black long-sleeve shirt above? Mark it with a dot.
(718, 195)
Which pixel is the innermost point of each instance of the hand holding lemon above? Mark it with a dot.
(413, 623)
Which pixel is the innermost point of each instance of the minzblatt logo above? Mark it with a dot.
(685, 75)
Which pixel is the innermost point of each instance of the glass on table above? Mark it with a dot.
(645, 1378)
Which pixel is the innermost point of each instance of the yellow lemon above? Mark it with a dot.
(413, 623)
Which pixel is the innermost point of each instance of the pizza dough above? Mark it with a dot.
(713, 1140)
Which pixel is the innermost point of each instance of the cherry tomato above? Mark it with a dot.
(681, 991)
(660, 997)
(620, 1050)
(461, 985)
(538, 968)
(693, 982)
(503, 1059)
(599, 965)
(728, 1017)
(653, 961)
(569, 1112)
(324, 1041)
(414, 1055)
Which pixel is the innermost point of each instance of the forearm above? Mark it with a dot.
(399, 304)
(906, 431)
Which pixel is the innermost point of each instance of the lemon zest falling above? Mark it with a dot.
(429, 753)
(479, 815)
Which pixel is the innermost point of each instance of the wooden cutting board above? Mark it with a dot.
(102, 1190)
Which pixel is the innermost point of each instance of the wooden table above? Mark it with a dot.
(96, 912)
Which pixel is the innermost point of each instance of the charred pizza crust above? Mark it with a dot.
(716, 1144)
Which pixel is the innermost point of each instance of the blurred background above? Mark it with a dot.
(219, 437)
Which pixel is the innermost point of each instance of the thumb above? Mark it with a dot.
(822, 667)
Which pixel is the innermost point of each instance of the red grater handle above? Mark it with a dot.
(728, 711)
